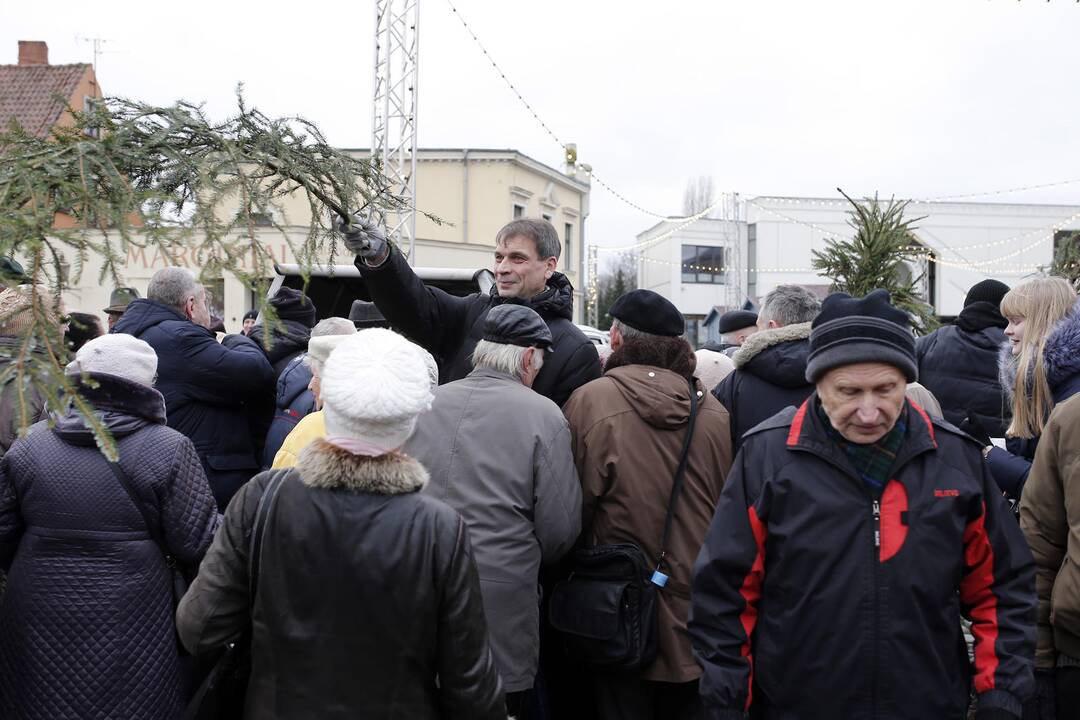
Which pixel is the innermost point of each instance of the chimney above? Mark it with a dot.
(33, 52)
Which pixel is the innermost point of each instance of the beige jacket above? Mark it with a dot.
(1050, 518)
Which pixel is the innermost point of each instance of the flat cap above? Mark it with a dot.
(649, 312)
(736, 320)
(511, 324)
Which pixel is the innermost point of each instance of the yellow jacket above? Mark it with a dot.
(310, 428)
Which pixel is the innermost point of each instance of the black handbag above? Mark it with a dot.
(222, 693)
(606, 610)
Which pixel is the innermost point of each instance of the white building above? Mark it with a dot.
(965, 242)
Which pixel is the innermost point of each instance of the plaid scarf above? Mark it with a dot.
(874, 462)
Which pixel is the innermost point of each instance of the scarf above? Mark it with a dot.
(873, 462)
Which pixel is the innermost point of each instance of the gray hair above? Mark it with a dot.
(631, 333)
(504, 358)
(172, 286)
(333, 326)
(541, 232)
(789, 305)
(729, 338)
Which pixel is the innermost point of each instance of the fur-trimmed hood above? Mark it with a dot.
(778, 356)
(326, 466)
(1061, 356)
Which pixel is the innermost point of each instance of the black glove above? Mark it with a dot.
(364, 238)
(975, 429)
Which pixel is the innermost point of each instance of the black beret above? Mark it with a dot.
(251, 315)
(736, 320)
(649, 312)
(512, 324)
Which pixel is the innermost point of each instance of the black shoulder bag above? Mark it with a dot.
(606, 610)
(221, 695)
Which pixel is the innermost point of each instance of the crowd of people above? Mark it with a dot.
(447, 507)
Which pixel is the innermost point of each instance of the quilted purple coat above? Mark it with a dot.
(86, 625)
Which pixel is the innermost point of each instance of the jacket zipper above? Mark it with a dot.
(875, 560)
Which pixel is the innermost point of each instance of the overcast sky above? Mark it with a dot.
(911, 97)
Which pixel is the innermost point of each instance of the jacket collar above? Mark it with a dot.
(322, 465)
(555, 301)
(765, 339)
(489, 374)
(807, 433)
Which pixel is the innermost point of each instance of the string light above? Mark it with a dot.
(682, 223)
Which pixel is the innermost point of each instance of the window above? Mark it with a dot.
(704, 264)
(519, 211)
(568, 244)
(696, 332)
(90, 106)
(546, 217)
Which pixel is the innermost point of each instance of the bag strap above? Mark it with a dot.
(133, 495)
(659, 578)
(262, 518)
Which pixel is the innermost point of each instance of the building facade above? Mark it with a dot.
(711, 266)
(473, 192)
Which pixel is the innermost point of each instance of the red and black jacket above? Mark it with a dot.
(814, 598)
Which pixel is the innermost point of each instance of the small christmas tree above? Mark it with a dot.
(878, 257)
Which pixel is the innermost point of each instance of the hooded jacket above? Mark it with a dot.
(770, 375)
(292, 403)
(830, 602)
(1061, 358)
(288, 340)
(86, 626)
(499, 454)
(628, 430)
(211, 390)
(959, 365)
(449, 327)
(1050, 518)
(402, 636)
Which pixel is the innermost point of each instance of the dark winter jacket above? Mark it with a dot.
(770, 375)
(11, 414)
(628, 430)
(959, 365)
(1061, 358)
(834, 603)
(86, 626)
(367, 603)
(288, 340)
(210, 390)
(292, 404)
(449, 327)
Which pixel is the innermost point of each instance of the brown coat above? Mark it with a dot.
(1050, 518)
(628, 429)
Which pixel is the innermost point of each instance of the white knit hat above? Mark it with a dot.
(374, 385)
(117, 354)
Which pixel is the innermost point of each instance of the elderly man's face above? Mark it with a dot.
(863, 401)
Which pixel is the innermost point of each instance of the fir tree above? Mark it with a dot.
(165, 178)
(878, 256)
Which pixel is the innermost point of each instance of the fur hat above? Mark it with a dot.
(117, 354)
(374, 385)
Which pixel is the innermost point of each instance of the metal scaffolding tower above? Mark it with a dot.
(393, 126)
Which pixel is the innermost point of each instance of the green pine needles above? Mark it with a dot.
(131, 175)
(879, 255)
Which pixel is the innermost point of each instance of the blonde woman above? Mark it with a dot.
(1040, 367)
